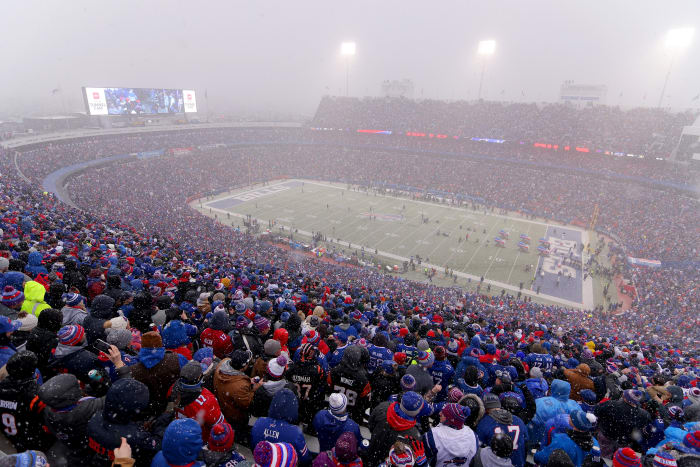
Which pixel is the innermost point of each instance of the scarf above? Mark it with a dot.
(397, 420)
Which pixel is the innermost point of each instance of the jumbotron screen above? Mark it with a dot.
(139, 101)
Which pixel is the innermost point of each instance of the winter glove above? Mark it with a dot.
(418, 452)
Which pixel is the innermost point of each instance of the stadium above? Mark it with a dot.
(389, 282)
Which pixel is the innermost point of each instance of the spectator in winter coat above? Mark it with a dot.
(72, 354)
(72, 278)
(420, 371)
(351, 378)
(34, 265)
(11, 302)
(330, 424)
(67, 415)
(273, 381)
(182, 443)
(193, 401)
(391, 421)
(235, 391)
(692, 410)
(342, 454)
(216, 334)
(271, 349)
(548, 407)
(577, 441)
(7, 348)
(34, 298)
(497, 453)
(280, 425)
(611, 432)
(43, 339)
(579, 380)
(220, 451)
(74, 311)
(20, 409)
(536, 383)
(156, 369)
(498, 420)
(176, 339)
(451, 442)
(97, 320)
(125, 402)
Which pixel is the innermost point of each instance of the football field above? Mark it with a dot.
(391, 230)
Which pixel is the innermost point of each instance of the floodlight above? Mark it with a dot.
(679, 38)
(347, 48)
(487, 47)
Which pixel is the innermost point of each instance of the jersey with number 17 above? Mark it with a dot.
(516, 429)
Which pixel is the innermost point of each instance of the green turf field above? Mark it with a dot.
(397, 233)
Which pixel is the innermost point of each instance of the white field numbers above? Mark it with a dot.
(511, 429)
(349, 393)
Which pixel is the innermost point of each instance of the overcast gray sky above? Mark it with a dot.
(282, 55)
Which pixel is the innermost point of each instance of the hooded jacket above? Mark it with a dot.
(349, 375)
(100, 311)
(126, 400)
(329, 427)
(43, 339)
(386, 429)
(234, 391)
(76, 360)
(19, 402)
(280, 425)
(580, 380)
(610, 414)
(73, 315)
(577, 451)
(67, 414)
(158, 373)
(34, 265)
(450, 446)
(182, 443)
(550, 406)
(537, 386)
(487, 458)
(34, 298)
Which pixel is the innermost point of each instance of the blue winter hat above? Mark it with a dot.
(491, 349)
(571, 363)
(411, 403)
(580, 421)
(182, 441)
(174, 335)
(388, 366)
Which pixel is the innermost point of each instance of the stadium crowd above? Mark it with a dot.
(139, 331)
(650, 131)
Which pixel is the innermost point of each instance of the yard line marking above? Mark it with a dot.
(516, 258)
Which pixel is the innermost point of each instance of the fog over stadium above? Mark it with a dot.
(350, 234)
(281, 57)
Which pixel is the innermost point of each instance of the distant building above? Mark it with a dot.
(395, 88)
(581, 95)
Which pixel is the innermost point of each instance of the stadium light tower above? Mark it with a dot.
(485, 50)
(676, 40)
(347, 49)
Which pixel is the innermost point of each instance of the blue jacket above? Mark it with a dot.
(562, 441)
(509, 424)
(280, 425)
(35, 267)
(376, 356)
(549, 407)
(329, 428)
(442, 373)
(537, 386)
(558, 424)
(469, 361)
(542, 360)
(337, 355)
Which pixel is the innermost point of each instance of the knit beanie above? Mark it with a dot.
(120, 338)
(633, 396)
(338, 403)
(581, 420)
(71, 335)
(346, 448)
(426, 359)
(182, 441)
(411, 403)
(11, 296)
(664, 459)
(691, 443)
(626, 457)
(401, 458)
(454, 394)
(277, 366)
(272, 348)
(221, 437)
(268, 454)
(455, 415)
(491, 401)
(408, 382)
(72, 299)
